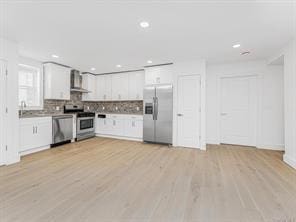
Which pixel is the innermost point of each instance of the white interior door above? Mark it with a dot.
(238, 110)
(3, 81)
(188, 132)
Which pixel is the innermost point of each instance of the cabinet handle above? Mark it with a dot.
(133, 124)
(105, 96)
(104, 122)
(36, 129)
(114, 122)
(119, 96)
(33, 129)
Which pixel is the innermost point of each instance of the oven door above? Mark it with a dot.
(85, 125)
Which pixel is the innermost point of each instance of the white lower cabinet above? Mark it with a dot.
(35, 133)
(134, 127)
(120, 125)
(117, 126)
(103, 126)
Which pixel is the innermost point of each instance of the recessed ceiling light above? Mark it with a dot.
(245, 53)
(54, 56)
(144, 24)
(236, 46)
(149, 61)
(92, 69)
(118, 66)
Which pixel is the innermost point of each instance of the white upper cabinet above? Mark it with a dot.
(104, 87)
(108, 87)
(113, 87)
(89, 83)
(159, 75)
(135, 85)
(120, 86)
(56, 82)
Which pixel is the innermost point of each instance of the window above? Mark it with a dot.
(30, 87)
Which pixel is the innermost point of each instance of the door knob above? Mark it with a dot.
(223, 114)
(179, 114)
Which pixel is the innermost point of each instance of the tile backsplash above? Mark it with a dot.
(57, 106)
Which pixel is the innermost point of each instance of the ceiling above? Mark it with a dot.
(99, 34)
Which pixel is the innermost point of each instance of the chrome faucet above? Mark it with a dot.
(23, 105)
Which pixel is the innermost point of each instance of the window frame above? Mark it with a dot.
(39, 68)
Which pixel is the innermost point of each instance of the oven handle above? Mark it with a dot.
(84, 118)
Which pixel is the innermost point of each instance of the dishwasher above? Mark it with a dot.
(62, 129)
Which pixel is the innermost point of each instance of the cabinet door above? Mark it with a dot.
(56, 82)
(65, 80)
(89, 82)
(26, 132)
(35, 132)
(103, 126)
(74, 127)
(92, 87)
(133, 128)
(152, 75)
(135, 85)
(108, 87)
(120, 86)
(159, 75)
(101, 88)
(117, 127)
(43, 133)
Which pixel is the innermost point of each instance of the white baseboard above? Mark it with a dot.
(290, 160)
(213, 142)
(12, 160)
(203, 147)
(119, 137)
(280, 147)
(34, 150)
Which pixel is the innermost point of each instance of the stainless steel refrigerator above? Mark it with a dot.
(158, 114)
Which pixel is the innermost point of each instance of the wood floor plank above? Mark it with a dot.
(111, 180)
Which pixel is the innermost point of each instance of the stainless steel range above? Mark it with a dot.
(85, 121)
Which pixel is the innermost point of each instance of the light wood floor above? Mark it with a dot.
(107, 180)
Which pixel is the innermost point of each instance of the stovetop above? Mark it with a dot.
(78, 109)
(86, 114)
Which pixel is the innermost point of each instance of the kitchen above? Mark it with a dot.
(109, 105)
(147, 111)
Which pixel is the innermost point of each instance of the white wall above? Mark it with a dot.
(289, 53)
(270, 123)
(9, 53)
(191, 68)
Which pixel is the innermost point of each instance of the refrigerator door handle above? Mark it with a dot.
(153, 109)
(156, 108)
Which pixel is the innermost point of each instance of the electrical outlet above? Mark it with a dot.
(116, 108)
(103, 108)
(87, 107)
(57, 108)
(138, 108)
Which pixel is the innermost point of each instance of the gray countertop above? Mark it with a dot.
(36, 115)
(43, 115)
(108, 113)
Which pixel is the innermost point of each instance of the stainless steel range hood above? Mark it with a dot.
(76, 82)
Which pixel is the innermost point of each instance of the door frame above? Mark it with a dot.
(219, 87)
(3, 88)
(177, 107)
